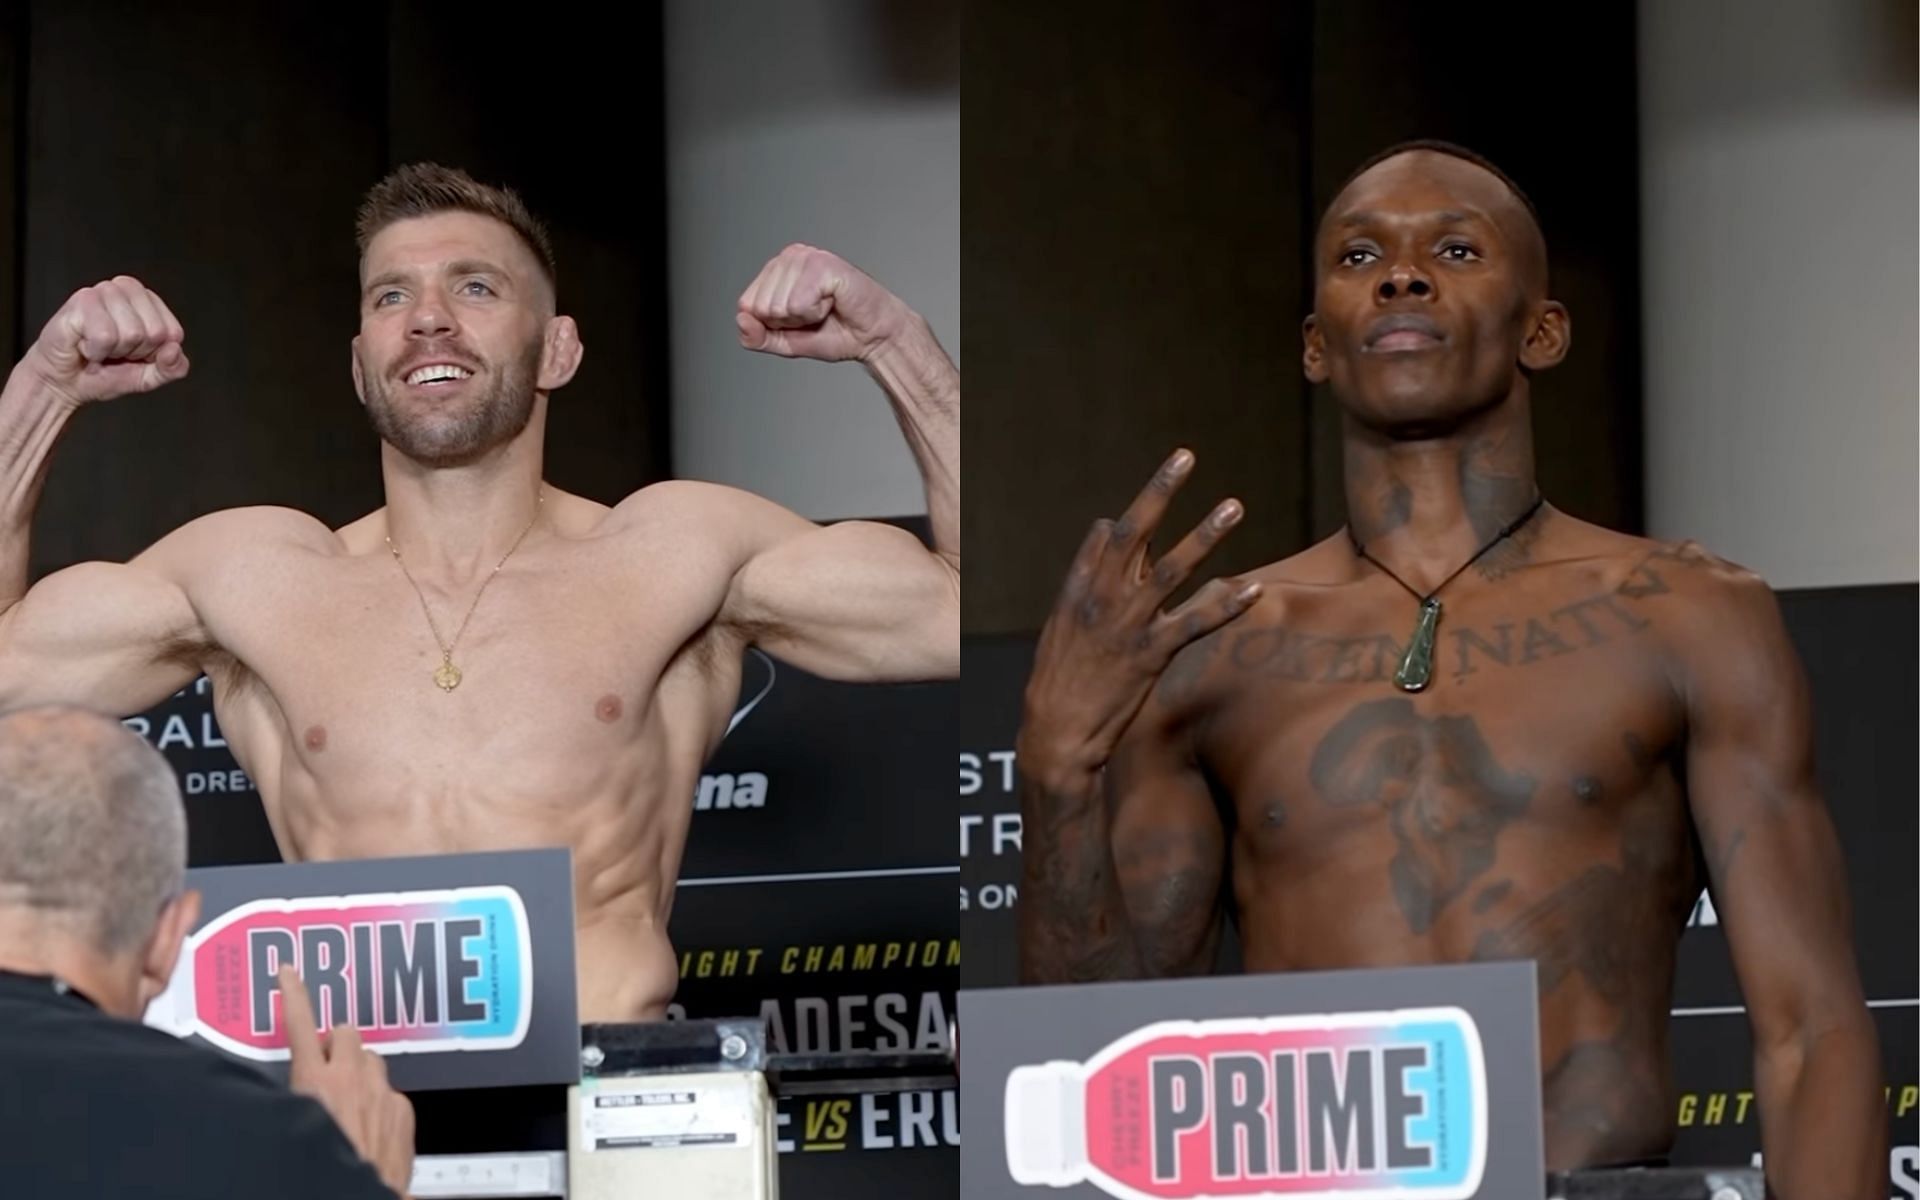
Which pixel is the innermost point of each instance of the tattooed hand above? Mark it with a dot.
(1107, 640)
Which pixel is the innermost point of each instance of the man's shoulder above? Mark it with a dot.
(693, 517)
(686, 497)
(1683, 573)
(228, 531)
(1702, 607)
(1679, 574)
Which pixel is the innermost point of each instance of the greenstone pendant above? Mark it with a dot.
(1416, 667)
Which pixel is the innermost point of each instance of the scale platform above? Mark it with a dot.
(531, 1122)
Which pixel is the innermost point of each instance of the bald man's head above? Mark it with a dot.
(1430, 292)
(93, 836)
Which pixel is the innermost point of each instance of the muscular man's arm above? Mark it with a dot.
(1121, 867)
(856, 600)
(1781, 890)
(117, 638)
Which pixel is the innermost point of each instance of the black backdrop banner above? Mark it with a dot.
(1865, 716)
(816, 891)
(826, 905)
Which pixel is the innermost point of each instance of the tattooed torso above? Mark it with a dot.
(1528, 804)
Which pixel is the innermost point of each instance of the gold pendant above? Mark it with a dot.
(446, 676)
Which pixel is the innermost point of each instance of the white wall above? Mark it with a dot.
(832, 122)
(1779, 209)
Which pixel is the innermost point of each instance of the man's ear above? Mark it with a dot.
(1314, 358)
(177, 919)
(1549, 337)
(560, 353)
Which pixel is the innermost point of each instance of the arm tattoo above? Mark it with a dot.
(1073, 924)
(1171, 883)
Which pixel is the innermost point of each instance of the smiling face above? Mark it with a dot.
(1430, 298)
(455, 314)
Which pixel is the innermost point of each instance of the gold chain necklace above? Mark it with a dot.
(446, 676)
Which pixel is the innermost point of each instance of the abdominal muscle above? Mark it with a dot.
(626, 836)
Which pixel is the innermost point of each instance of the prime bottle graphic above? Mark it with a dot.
(1361, 1106)
(413, 971)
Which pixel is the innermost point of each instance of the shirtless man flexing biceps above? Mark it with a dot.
(487, 661)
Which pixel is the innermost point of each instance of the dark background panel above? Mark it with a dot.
(13, 46)
(748, 946)
(853, 775)
(1865, 715)
(1865, 718)
(878, 1159)
(990, 818)
(1864, 722)
(869, 1144)
(1143, 182)
(1130, 227)
(1562, 125)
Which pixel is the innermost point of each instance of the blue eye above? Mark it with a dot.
(381, 300)
(472, 284)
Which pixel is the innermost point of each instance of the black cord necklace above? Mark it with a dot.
(1416, 666)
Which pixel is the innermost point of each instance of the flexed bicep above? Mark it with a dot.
(121, 637)
(857, 601)
(116, 638)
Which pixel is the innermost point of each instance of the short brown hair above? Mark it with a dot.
(423, 189)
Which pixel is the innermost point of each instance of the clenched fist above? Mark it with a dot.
(808, 303)
(108, 340)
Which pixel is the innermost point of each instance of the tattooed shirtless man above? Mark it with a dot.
(1606, 722)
